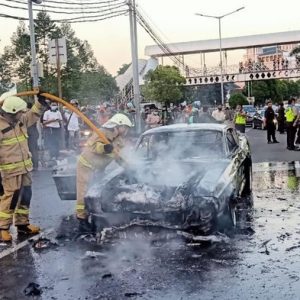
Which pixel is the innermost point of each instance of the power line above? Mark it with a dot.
(115, 6)
(74, 20)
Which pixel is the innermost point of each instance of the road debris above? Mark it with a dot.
(217, 238)
(133, 294)
(292, 248)
(32, 289)
(44, 243)
(107, 275)
(93, 254)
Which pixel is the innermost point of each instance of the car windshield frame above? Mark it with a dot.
(167, 142)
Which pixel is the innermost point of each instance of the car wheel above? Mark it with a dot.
(229, 218)
(248, 177)
(232, 212)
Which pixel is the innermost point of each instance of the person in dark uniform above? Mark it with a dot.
(269, 119)
(281, 118)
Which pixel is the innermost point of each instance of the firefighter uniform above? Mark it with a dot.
(15, 167)
(93, 158)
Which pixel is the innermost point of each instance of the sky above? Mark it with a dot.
(175, 21)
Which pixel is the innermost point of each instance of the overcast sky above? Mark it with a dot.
(175, 21)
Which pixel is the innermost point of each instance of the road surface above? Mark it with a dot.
(260, 260)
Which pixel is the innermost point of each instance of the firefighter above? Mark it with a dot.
(16, 164)
(95, 157)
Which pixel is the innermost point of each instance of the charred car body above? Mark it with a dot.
(185, 177)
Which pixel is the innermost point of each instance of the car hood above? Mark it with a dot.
(157, 185)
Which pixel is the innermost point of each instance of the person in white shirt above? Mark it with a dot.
(52, 121)
(219, 114)
(72, 127)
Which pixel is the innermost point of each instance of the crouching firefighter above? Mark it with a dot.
(16, 164)
(95, 157)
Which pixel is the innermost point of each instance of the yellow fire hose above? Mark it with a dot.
(94, 128)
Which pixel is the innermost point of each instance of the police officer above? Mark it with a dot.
(291, 116)
(240, 119)
(269, 119)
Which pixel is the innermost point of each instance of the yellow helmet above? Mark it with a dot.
(118, 120)
(13, 105)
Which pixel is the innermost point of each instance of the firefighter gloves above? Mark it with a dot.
(108, 148)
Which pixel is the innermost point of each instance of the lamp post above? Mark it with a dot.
(34, 67)
(219, 18)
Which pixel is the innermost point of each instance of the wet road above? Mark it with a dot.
(259, 261)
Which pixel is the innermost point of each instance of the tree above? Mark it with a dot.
(164, 84)
(237, 99)
(82, 77)
(123, 69)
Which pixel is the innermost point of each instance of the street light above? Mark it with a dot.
(34, 67)
(220, 42)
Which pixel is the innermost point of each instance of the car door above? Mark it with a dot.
(237, 158)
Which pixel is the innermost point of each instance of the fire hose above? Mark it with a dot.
(93, 127)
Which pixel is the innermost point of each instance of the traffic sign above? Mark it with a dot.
(57, 51)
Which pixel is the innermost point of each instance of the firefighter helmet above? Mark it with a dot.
(13, 105)
(118, 120)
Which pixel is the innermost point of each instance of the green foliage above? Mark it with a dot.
(164, 84)
(123, 69)
(82, 76)
(236, 99)
(276, 90)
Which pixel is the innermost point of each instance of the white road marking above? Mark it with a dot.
(21, 245)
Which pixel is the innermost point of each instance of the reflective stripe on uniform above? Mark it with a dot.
(22, 211)
(11, 166)
(12, 141)
(4, 215)
(84, 162)
(80, 207)
(35, 109)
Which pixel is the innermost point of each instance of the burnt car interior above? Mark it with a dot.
(182, 145)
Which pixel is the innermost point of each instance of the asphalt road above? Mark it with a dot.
(260, 260)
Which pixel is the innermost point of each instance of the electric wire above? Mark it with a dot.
(65, 12)
(96, 18)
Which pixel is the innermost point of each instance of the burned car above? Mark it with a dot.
(184, 176)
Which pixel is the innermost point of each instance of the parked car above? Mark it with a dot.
(258, 120)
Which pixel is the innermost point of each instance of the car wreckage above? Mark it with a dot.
(186, 177)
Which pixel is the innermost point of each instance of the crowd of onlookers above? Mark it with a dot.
(61, 128)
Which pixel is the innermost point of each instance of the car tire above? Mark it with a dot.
(248, 177)
(228, 220)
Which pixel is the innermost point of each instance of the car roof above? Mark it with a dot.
(188, 127)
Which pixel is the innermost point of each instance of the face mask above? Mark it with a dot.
(219, 109)
(53, 107)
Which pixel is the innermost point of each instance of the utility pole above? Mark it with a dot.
(135, 66)
(34, 67)
(58, 69)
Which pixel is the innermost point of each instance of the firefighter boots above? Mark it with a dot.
(5, 236)
(28, 229)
